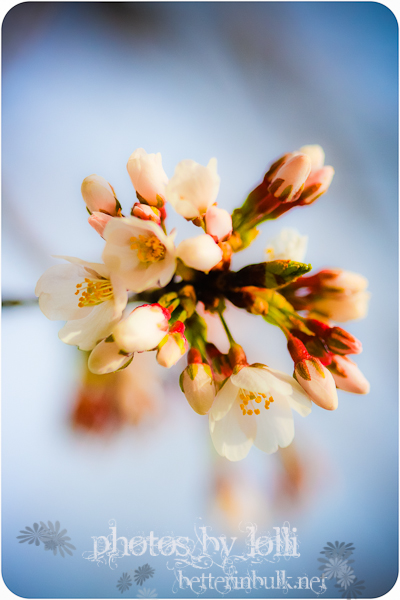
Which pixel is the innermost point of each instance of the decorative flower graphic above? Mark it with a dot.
(335, 565)
(49, 535)
(31, 536)
(337, 550)
(334, 568)
(146, 593)
(354, 590)
(55, 539)
(346, 577)
(143, 573)
(124, 583)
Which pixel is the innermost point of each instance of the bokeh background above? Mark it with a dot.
(84, 84)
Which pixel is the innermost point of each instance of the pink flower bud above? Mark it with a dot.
(343, 307)
(336, 279)
(143, 329)
(148, 176)
(218, 223)
(340, 341)
(173, 346)
(337, 339)
(146, 213)
(348, 376)
(317, 184)
(289, 180)
(314, 378)
(98, 221)
(200, 252)
(99, 196)
(316, 155)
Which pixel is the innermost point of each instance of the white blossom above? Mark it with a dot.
(288, 245)
(86, 295)
(254, 406)
(193, 188)
(139, 252)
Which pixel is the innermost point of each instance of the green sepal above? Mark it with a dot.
(125, 365)
(124, 353)
(271, 275)
(196, 333)
(242, 238)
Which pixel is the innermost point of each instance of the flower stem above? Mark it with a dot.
(228, 333)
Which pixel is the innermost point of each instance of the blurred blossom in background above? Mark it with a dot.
(85, 84)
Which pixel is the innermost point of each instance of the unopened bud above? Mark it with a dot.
(200, 252)
(99, 221)
(146, 212)
(237, 357)
(337, 339)
(143, 329)
(315, 154)
(289, 180)
(220, 363)
(336, 279)
(173, 346)
(218, 223)
(99, 195)
(148, 176)
(344, 307)
(316, 185)
(314, 378)
(197, 383)
(348, 376)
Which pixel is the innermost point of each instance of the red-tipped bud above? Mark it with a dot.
(237, 357)
(314, 378)
(316, 185)
(194, 357)
(146, 212)
(340, 341)
(173, 346)
(289, 180)
(220, 363)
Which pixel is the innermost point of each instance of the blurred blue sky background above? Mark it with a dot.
(84, 84)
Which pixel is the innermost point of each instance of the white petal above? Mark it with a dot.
(261, 380)
(224, 400)
(92, 269)
(298, 400)
(275, 426)
(193, 188)
(106, 358)
(233, 435)
(86, 333)
(56, 290)
(120, 294)
(122, 260)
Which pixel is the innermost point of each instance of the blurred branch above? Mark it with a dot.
(19, 302)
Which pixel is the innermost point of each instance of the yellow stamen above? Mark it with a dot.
(95, 292)
(149, 248)
(248, 397)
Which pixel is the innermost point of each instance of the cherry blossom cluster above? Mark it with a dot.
(246, 404)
